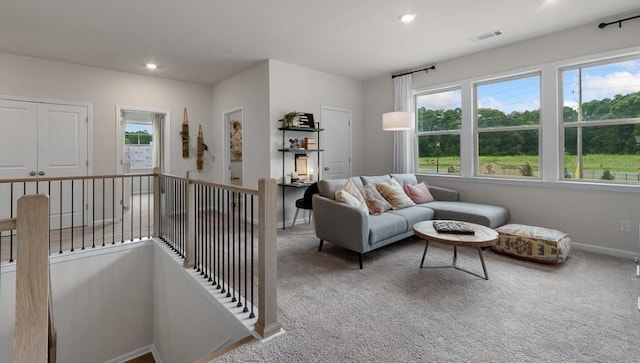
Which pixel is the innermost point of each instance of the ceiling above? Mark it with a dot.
(206, 41)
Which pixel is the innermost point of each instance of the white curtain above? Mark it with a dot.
(158, 138)
(403, 141)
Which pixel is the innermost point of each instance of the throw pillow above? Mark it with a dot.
(376, 202)
(350, 195)
(394, 194)
(418, 193)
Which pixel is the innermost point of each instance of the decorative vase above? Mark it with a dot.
(185, 135)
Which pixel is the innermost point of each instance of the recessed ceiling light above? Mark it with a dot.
(407, 18)
(151, 66)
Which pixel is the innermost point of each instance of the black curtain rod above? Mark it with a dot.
(416, 71)
(619, 22)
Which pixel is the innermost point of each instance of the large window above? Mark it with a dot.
(508, 127)
(601, 121)
(439, 117)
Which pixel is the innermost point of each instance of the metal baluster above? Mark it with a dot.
(228, 244)
(113, 211)
(140, 209)
(219, 235)
(72, 193)
(103, 211)
(239, 252)
(122, 209)
(245, 255)
(149, 212)
(60, 220)
(209, 233)
(224, 239)
(130, 196)
(11, 232)
(233, 245)
(93, 213)
(83, 211)
(252, 315)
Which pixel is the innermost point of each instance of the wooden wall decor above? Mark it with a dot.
(201, 148)
(185, 135)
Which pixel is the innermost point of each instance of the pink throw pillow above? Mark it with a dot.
(419, 193)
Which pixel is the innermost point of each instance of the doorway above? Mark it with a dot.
(141, 145)
(336, 123)
(233, 121)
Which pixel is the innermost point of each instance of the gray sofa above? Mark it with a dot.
(362, 232)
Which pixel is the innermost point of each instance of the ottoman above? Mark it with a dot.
(532, 243)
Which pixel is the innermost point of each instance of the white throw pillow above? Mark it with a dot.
(350, 195)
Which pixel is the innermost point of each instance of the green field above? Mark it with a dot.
(594, 164)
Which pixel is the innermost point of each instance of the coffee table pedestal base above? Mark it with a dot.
(453, 263)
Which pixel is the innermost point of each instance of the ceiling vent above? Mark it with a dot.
(485, 36)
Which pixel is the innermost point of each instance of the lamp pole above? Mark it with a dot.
(438, 157)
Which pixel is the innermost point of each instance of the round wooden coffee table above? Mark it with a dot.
(483, 237)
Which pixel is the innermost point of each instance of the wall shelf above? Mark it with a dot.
(297, 151)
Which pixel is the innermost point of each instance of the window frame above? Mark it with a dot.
(582, 124)
(477, 130)
(417, 134)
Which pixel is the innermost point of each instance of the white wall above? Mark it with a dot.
(295, 88)
(104, 89)
(591, 216)
(102, 304)
(249, 90)
(110, 302)
(378, 147)
(187, 324)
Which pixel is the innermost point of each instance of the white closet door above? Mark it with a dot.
(18, 139)
(62, 152)
(62, 140)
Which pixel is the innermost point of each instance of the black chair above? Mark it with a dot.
(306, 202)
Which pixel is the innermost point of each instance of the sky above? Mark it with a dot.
(598, 82)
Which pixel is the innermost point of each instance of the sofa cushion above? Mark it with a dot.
(376, 202)
(385, 226)
(329, 187)
(394, 194)
(418, 193)
(487, 215)
(414, 215)
(350, 195)
(405, 179)
(375, 179)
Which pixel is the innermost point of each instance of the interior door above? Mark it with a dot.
(336, 143)
(43, 140)
(18, 158)
(62, 151)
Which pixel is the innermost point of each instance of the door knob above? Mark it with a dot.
(326, 168)
(32, 173)
(41, 173)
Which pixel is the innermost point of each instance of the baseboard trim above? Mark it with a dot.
(135, 354)
(605, 250)
(155, 353)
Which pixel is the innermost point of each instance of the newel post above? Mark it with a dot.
(32, 280)
(267, 324)
(157, 200)
(190, 216)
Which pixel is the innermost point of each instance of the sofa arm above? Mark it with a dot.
(444, 194)
(341, 224)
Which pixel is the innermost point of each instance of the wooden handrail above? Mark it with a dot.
(7, 224)
(32, 280)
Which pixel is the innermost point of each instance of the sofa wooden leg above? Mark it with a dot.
(320, 247)
(360, 259)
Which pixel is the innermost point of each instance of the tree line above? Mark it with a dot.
(617, 139)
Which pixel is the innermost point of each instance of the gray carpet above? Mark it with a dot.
(393, 311)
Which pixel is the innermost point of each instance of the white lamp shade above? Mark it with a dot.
(395, 121)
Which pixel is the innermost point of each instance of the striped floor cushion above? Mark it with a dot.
(532, 243)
